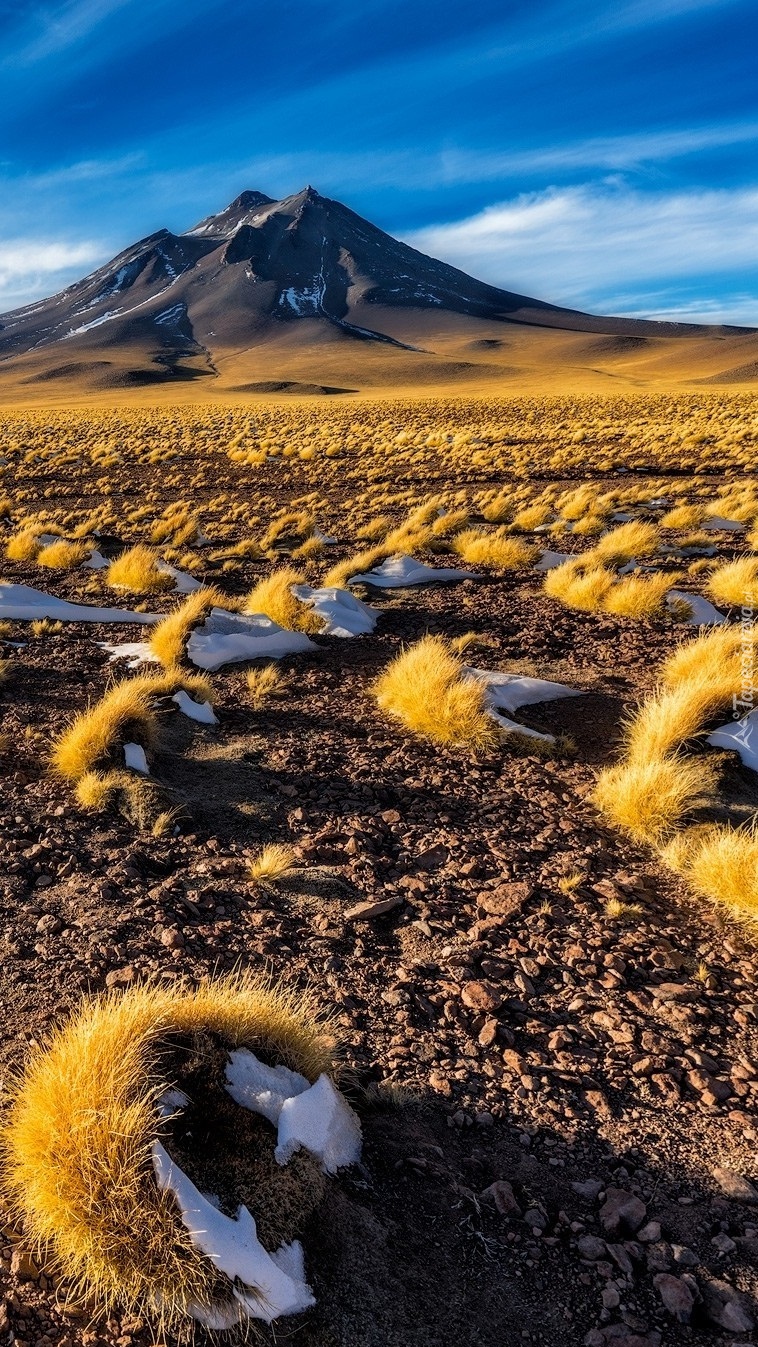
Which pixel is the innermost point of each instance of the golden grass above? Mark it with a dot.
(530, 517)
(123, 715)
(671, 716)
(136, 570)
(273, 597)
(357, 564)
(169, 637)
(648, 799)
(683, 517)
(76, 1141)
(493, 549)
(427, 689)
(63, 556)
(273, 862)
(633, 539)
(638, 595)
(578, 586)
(735, 583)
(264, 684)
(721, 864)
(23, 546)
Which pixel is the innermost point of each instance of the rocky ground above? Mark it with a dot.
(552, 1046)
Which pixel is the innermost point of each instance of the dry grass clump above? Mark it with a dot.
(169, 637)
(721, 864)
(23, 546)
(264, 684)
(647, 799)
(493, 549)
(273, 862)
(530, 517)
(273, 597)
(427, 689)
(683, 517)
(357, 564)
(123, 715)
(76, 1140)
(63, 556)
(638, 595)
(735, 584)
(633, 539)
(137, 571)
(579, 585)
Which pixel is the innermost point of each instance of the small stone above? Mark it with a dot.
(49, 924)
(650, 1233)
(621, 1212)
(735, 1186)
(367, 911)
(480, 996)
(502, 1195)
(683, 1256)
(676, 1296)
(726, 1308)
(172, 938)
(591, 1247)
(23, 1265)
(587, 1188)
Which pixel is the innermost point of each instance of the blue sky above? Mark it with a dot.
(600, 154)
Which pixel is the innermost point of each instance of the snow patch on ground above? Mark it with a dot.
(265, 1285)
(134, 757)
(21, 603)
(401, 571)
(549, 560)
(260, 1088)
(741, 737)
(718, 523)
(703, 613)
(202, 711)
(509, 692)
(228, 638)
(136, 652)
(340, 611)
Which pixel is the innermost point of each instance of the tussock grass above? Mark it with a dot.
(493, 549)
(530, 517)
(137, 571)
(427, 689)
(735, 584)
(721, 864)
(273, 862)
(273, 597)
(63, 556)
(76, 1140)
(633, 539)
(264, 684)
(357, 564)
(648, 799)
(579, 585)
(638, 595)
(683, 517)
(23, 546)
(169, 637)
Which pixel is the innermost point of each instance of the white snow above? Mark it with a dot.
(134, 757)
(265, 1285)
(716, 521)
(321, 1120)
(550, 559)
(21, 603)
(260, 1088)
(184, 583)
(741, 737)
(96, 561)
(95, 322)
(136, 652)
(513, 727)
(703, 613)
(508, 692)
(314, 1116)
(202, 711)
(401, 571)
(341, 612)
(228, 638)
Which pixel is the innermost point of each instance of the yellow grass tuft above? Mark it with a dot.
(63, 556)
(493, 549)
(273, 862)
(169, 637)
(263, 684)
(273, 596)
(648, 799)
(137, 570)
(683, 517)
(76, 1141)
(123, 715)
(735, 584)
(721, 864)
(638, 595)
(530, 517)
(630, 540)
(578, 586)
(23, 546)
(427, 689)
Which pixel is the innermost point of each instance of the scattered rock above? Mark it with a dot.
(676, 1296)
(622, 1212)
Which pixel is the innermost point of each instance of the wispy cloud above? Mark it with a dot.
(579, 245)
(64, 25)
(35, 267)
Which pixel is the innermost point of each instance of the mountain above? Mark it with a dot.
(304, 294)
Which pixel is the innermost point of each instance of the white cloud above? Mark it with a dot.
(64, 25)
(32, 268)
(579, 245)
